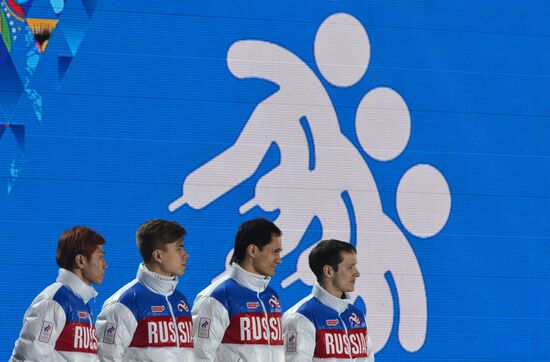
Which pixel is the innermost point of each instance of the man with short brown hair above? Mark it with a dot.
(148, 319)
(58, 326)
(325, 325)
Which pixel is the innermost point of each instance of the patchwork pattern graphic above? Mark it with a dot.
(26, 28)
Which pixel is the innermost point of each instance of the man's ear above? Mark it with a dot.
(80, 261)
(328, 271)
(157, 256)
(251, 250)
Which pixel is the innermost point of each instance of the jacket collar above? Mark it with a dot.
(257, 283)
(338, 304)
(155, 282)
(76, 285)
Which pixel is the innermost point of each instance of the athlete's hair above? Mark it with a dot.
(78, 240)
(256, 231)
(155, 234)
(328, 252)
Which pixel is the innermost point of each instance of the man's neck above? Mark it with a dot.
(155, 268)
(332, 290)
(78, 273)
(247, 265)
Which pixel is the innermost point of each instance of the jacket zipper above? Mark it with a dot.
(174, 320)
(266, 318)
(347, 335)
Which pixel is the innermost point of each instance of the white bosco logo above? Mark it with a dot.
(353, 318)
(182, 306)
(321, 171)
(274, 302)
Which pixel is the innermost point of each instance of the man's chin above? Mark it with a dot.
(269, 274)
(97, 280)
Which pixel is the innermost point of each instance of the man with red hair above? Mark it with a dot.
(58, 326)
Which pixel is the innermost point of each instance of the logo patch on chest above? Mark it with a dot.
(353, 318)
(182, 306)
(274, 302)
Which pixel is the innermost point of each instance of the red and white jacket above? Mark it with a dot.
(238, 318)
(146, 320)
(324, 328)
(58, 325)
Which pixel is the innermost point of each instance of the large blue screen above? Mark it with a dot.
(417, 130)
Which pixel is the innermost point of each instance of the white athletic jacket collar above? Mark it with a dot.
(257, 283)
(338, 304)
(155, 282)
(76, 285)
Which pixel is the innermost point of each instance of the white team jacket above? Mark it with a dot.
(238, 318)
(58, 325)
(324, 328)
(146, 320)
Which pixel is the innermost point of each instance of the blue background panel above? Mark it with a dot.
(145, 97)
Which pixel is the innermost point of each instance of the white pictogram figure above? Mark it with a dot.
(342, 54)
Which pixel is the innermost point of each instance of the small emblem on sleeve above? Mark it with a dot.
(291, 342)
(46, 332)
(204, 327)
(110, 333)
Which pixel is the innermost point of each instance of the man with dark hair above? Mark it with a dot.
(325, 325)
(148, 319)
(239, 316)
(58, 326)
